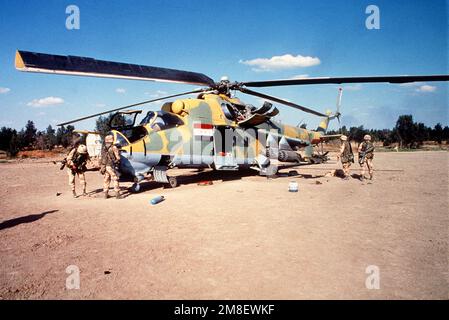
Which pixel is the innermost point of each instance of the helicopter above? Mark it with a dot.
(213, 130)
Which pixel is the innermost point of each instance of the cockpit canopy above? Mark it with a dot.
(125, 132)
(161, 120)
(124, 120)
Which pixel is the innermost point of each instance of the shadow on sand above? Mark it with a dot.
(25, 219)
(195, 177)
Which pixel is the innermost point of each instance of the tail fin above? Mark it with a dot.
(325, 121)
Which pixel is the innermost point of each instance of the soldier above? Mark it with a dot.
(110, 162)
(76, 165)
(366, 155)
(346, 156)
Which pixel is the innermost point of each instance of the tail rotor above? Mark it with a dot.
(337, 111)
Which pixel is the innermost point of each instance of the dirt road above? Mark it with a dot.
(242, 238)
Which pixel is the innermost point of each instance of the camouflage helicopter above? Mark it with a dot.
(214, 130)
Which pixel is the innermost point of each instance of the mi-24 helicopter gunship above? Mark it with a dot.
(214, 130)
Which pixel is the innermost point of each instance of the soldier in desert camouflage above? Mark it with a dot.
(366, 155)
(76, 166)
(345, 155)
(110, 162)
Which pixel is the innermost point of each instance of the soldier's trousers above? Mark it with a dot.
(81, 177)
(368, 166)
(346, 168)
(108, 176)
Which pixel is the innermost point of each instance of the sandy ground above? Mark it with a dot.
(240, 238)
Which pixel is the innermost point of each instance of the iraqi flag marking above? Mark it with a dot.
(203, 129)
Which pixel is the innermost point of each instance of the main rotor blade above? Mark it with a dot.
(81, 66)
(129, 106)
(282, 101)
(341, 80)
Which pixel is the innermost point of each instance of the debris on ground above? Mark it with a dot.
(205, 183)
(157, 200)
(293, 186)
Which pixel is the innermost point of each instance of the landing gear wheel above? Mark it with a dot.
(173, 182)
(271, 171)
(135, 188)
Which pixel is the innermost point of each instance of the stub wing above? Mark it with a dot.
(330, 137)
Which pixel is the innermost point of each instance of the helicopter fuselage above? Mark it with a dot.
(202, 132)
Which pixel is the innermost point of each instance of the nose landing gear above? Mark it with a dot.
(159, 176)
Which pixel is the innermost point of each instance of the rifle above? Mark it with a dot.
(362, 156)
(63, 164)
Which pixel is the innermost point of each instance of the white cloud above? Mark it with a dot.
(120, 90)
(411, 84)
(426, 88)
(286, 61)
(420, 87)
(300, 76)
(4, 90)
(45, 102)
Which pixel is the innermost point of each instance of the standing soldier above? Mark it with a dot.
(76, 165)
(110, 162)
(366, 155)
(346, 156)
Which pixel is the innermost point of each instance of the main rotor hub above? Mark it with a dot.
(224, 86)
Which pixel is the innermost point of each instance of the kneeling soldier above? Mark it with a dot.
(76, 165)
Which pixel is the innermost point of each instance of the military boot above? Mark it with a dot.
(106, 195)
(74, 193)
(118, 196)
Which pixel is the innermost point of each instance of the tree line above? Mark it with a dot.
(29, 138)
(406, 132)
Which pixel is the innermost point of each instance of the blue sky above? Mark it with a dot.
(215, 38)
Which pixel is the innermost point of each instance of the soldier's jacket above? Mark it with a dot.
(110, 156)
(347, 155)
(78, 160)
(368, 148)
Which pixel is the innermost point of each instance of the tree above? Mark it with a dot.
(405, 130)
(6, 135)
(64, 135)
(50, 137)
(40, 140)
(102, 125)
(438, 133)
(446, 133)
(357, 133)
(29, 134)
(14, 145)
